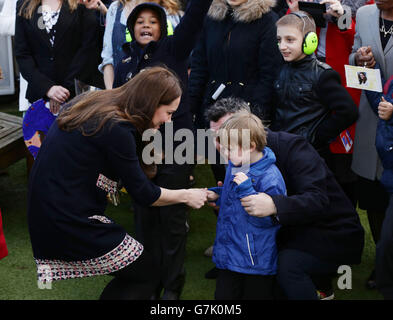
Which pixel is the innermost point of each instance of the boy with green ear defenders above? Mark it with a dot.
(310, 100)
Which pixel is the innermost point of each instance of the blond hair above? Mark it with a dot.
(237, 127)
(29, 6)
(304, 23)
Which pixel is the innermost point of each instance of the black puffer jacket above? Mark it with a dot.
(311, 102)
(238, 48)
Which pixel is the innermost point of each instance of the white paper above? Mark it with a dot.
(363, 78)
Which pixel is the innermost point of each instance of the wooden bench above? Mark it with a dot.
(12, 145)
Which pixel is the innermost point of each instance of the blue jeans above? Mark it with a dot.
(295, 271)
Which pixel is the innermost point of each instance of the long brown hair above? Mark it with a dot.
(29, 6)
(134, 102)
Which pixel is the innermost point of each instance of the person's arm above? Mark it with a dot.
(94, 5)
(194, 198)
(357, 42)
(24, 57)
(343, 110)
(199, 75)
(373, 97)
(109, 76)
(305, 175)
(106, 67)
(187, 31)
(120, 149)
(83, 56)
(269, 63)
(361, 55)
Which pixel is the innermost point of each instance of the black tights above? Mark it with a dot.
(137, 281)
(375, 220)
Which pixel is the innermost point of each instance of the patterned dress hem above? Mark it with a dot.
(124, 254)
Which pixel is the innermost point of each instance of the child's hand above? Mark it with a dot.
(240, 177)
(385, 109)
(212, 196)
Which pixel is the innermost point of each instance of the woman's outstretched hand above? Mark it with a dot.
(196, 198)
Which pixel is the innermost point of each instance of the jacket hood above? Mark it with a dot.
(152, 6)
(246, 12)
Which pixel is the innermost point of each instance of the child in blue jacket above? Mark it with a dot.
(381, 103)
(245, 249)
(383, 107)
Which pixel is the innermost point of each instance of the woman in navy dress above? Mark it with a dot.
(94, 143)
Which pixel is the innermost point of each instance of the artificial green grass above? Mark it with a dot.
(18, 272)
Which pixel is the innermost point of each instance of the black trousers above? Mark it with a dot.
(137, 281)
(384, 255)
(162, 230)
(238, 286)
(340, 165)
(296, 270)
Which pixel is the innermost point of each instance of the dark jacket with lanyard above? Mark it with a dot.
(311, 102)
(316, 216)
(238, 49)
(172, 51)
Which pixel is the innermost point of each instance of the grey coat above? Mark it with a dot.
(366, 162)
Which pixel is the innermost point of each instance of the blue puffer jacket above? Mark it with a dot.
(244, 243)
(384, 136)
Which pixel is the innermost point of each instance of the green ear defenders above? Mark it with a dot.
(310, 39)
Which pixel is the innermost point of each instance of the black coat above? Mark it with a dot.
(171, 51)
(43, 66)
(238, 49)
(316, 216)
(311, 102)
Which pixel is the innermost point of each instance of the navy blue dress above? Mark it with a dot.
(69, 181)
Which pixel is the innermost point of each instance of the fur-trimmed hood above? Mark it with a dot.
(246, 12)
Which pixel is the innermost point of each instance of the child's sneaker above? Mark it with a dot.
(325, 295)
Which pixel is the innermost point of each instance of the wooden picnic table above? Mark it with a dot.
(12, 145)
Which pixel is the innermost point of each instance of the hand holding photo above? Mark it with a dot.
(363, 78)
